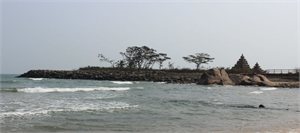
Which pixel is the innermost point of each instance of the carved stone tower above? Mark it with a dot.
(241, 66)
(257, 69)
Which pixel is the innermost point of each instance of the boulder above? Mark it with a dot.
(261, 106)
(215, 76)
(225, 78)
(246, 80)
(256, 79)
(236, 78)
(264, 81)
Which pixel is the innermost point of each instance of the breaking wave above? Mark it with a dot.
(45, 90)
(8, 90)
(36, 79)
(110, 107)
(161, 82)
(26, 113)
(256, 92)
(268, 88)
(122, 82)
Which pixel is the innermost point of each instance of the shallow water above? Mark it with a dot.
(56, 105)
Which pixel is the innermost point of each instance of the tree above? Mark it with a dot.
(102, 58)
(170, 65)
(120, 64)
(162, 57)
(143, 57)
(198, 59)
(137, 58)
(132, 56)
(148, 57)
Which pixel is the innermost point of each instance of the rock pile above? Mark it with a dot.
(256, 79)
(215, 76)
(220, 77)
(118, 75)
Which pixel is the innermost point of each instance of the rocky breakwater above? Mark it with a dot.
(212, 76)
(169, 76)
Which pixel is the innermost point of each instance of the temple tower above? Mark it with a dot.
(241, 66)
(257, 69)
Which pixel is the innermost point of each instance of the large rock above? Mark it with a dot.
(236, 78)
(245, 80)
(256, 79)
(215, 76)
(263, 80)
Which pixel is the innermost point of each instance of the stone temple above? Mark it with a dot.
(241, 66)
(257, 69)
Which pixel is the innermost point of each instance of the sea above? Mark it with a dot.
(37, 105)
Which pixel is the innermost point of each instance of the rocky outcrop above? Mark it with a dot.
(256, 79)
(262, 80)
(245, 80)
(215, 76)
(287, 84)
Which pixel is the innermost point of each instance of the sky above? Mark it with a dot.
(68, 34)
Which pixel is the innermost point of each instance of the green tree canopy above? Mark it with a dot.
(198, 59)
(138, 57)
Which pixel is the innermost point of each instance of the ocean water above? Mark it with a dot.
(57, 105)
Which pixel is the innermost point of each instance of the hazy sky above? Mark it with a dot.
(67, 34)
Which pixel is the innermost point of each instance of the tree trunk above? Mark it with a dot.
(197, 66)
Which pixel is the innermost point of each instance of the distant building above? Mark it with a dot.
(241, 66)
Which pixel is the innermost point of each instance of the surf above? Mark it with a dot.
(107, 107)
(36, 79)
(268, 88)
(47, 90)
(122, 82)
(256, 92)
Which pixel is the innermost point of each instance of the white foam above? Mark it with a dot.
(121, 82)
(161, 82)
(256, 92)
(111, 107)
(228, 86)
(36, 79)
(45, 90)
(268, 88)
(218, 103)
(27, 113)
(140, 88)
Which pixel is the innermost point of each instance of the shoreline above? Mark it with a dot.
(168, 76)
